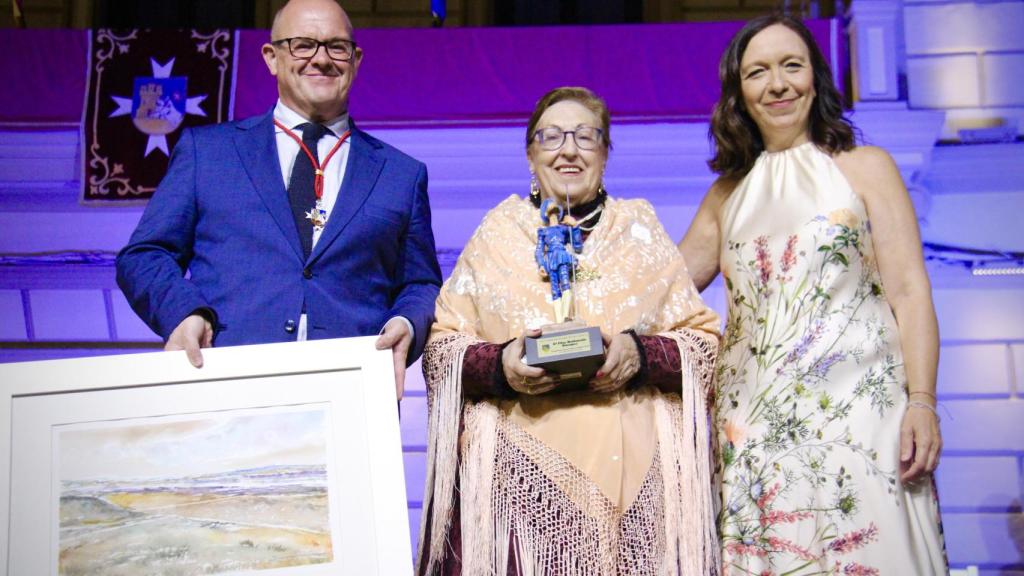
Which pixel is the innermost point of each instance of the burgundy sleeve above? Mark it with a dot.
(659, 363)
(482, 376)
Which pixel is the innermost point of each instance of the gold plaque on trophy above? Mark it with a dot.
(571, 351)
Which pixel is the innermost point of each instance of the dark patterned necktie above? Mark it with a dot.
(301, 192)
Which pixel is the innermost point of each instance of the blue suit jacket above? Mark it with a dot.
(222, 214)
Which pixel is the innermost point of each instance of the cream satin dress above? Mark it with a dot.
(811, 387)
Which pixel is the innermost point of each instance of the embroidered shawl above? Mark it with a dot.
(624, 479)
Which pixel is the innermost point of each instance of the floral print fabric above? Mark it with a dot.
(810, 386)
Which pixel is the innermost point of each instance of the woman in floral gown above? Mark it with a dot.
(825, 391)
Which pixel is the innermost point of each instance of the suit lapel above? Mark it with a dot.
(258, 151)
(364, 166)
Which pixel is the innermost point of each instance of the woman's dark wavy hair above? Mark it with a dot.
(737, 139)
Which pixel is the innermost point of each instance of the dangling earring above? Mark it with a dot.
(534, 189)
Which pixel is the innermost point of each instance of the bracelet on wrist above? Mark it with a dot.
(919, 404)
(922, 392)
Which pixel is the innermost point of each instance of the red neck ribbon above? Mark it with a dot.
(318, 167)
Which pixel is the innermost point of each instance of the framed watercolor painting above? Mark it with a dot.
(278, 459)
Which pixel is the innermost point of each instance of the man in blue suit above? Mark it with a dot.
(291, 225)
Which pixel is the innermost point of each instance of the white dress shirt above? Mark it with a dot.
(288, 148)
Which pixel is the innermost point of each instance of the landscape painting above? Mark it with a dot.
(212, 493)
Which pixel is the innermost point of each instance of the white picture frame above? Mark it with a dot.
(347, 380)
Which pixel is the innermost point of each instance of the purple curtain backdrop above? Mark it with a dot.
(45, 72)
(436, 76)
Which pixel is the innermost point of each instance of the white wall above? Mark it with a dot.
(968, 58)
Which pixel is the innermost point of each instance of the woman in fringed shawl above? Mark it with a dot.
(610, 480)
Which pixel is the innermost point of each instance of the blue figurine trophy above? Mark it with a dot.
(568, 348)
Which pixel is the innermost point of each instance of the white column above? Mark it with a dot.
(876, 34)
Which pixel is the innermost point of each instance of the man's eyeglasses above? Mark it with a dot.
(552, 138)
(306, 48)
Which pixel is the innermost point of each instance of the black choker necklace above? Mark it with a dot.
(589, 213)
(586, 214)
(590, 220)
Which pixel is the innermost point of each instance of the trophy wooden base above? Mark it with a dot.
(571, 350)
